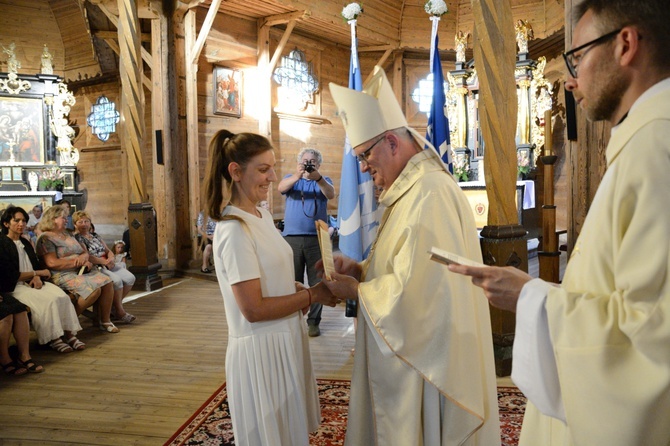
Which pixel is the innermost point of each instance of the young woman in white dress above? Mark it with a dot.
(54, 317)
(271, 386)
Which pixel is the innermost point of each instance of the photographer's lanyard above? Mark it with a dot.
(302, 198)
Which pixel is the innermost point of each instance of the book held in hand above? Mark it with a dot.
(326, 246)
(448, 258)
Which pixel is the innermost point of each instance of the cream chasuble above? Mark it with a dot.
(609, 322)
(435, 382)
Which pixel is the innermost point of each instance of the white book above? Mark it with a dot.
(447, 258)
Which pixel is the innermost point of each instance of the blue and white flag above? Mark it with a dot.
(356, 207)
(438, 123)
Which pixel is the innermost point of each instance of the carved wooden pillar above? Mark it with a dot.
(141, 217)
(503, 239)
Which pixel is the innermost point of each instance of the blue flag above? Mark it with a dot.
(356, 207)
(438, 123)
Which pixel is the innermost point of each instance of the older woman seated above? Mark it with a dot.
(101, 255)
(71, 269)
(14, 320)
(54, 318)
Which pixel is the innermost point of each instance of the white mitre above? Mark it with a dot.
(373, 111)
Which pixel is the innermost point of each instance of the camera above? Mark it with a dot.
(309, 166)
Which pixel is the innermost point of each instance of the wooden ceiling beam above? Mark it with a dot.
(114, 35)
(146, 56)
(146, 9)
(280, 19)
(204, 32)
(376, 48)
(114, 45)
(280, 47)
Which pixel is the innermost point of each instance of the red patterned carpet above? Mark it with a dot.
(210, 425)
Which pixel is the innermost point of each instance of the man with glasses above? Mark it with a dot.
(593, 354)
(307, 193)
(423, 365)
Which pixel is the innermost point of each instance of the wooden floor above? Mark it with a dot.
(139, 386)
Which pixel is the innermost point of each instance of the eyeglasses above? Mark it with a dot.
(572, 61)
(363, 157)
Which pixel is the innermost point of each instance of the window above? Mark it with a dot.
(103, 118)
(296, 77)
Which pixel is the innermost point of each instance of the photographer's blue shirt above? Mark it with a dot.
(305, 203)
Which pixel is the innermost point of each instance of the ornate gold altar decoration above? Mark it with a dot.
(540, 93)
(524, 33)
(12, 84)
(456, 112)
(61, 105)
(461, 44)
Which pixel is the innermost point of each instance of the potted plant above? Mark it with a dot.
(52, 178)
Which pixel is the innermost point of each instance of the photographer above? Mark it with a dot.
(307, 193)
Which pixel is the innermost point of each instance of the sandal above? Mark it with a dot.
(31, 365)
(76, 344)
(205, 270)
(108, 327)
(14, 369)
(60, 346)
(126, 318)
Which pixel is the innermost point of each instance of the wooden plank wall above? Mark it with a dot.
(30, 24)
(103, 166)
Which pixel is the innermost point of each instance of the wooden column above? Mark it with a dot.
(132, 107)
(164, 183)
(191, 84)
(549, 256)
(503, 238)
(141, 218)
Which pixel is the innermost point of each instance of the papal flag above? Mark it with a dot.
(356, 207)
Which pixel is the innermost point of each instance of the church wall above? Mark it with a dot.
(19, 20)
(289, 135)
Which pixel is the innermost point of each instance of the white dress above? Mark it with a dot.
(271, 386)
(50, 308)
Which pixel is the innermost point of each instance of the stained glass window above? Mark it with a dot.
(103, 118)
(297, 76)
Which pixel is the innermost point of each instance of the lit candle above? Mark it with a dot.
(548, 150)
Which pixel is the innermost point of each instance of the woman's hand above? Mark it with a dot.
(321, 294)
(36, 282)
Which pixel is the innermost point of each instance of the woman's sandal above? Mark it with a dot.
(14, 369)
(31, 365)
(60, 346)
(108, 327)
(126, 318)
(205, 270)
(76, 344)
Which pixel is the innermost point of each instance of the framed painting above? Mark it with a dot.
(21, 131)
(227, 91)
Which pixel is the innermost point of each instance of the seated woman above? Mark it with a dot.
(101, 255)
(65, 257)
(54, 318)
(206, 236)
(14, 320)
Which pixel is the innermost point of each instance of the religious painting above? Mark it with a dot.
(227, 92)
(21, 131)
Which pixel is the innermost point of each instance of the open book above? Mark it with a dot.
(326, 246)
(447, 258)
